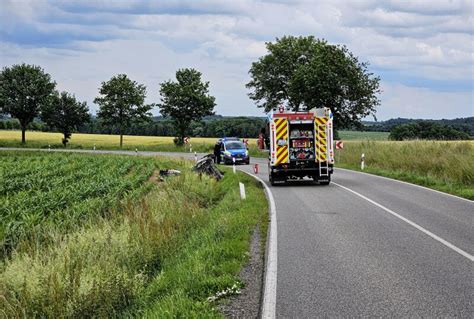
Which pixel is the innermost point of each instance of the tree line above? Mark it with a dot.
(216, 126)
(27, 93)
(465, 124)
(298, 73)
(426, 130)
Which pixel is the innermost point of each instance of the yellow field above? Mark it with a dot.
(104, 141)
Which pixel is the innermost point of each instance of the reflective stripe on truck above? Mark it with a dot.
(320, 126)
(281, 140)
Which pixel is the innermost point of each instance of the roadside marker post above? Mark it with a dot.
(94, 146)
(233, 166)
(362, 161)
(195, 157)
(49, 147)
(242, 190)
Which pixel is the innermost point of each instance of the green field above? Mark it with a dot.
(445, 166)
(101, 235)
(358, 136)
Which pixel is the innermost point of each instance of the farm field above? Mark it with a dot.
(441, 165)
(358, 135)
(446, 166)
(102, 235)
(36, 139)
(103, 141)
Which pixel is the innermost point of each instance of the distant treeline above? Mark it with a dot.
(220, 126)
(465, 124)
(426, 130)
(212, 126)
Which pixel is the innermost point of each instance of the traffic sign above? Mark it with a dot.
(339, 145)
(186, 140)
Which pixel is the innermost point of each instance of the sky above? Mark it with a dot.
(422, 50)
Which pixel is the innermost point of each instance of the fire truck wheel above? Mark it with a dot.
(271, 179)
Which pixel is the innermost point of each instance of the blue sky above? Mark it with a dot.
(422, 50)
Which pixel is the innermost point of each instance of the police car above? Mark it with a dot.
(229, 148)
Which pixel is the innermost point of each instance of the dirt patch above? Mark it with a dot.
(247, 304)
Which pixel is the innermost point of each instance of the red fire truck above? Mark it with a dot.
(301, 145)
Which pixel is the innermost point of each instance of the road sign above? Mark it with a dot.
(339, 145)
(186, 140)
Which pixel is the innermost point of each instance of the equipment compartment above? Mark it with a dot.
(301, 142)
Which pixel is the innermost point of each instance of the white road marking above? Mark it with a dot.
(406, 183)
(427, 232)
(270, 288)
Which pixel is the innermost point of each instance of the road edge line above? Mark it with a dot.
(406, 220)
(403, 182)
(268, 307)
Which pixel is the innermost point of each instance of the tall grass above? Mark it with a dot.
(142, 256)
(447, 166)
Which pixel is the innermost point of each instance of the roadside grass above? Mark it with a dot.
(160, 253)
(441, 165)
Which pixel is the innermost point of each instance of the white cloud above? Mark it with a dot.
(150, 40)
(404, 101)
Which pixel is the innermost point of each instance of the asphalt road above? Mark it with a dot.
(369, 246)
(340, 255)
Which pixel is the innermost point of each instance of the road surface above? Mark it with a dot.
(369, 246)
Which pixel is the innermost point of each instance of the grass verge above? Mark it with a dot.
(444, 166)
(161, 254)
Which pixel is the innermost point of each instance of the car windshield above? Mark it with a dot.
(234, 145)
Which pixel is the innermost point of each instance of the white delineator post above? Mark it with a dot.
(362, 161)
(242, 190)
(195, 157)
(94, 146)
(233, 166)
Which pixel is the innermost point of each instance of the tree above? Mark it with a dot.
(186, 100)
(306, 73)
(24, 89)
(122, 103)
(65, 113)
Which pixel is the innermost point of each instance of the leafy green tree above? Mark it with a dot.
(65, 113)
(306, 73)
(122, 103)
(186, 100)
(24, 89)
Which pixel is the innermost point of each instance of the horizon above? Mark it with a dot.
(423, 54)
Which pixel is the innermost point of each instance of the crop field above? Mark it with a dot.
(47, 190)
(103, 141)
(446, 166)
(360, 136)
(102, 235)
